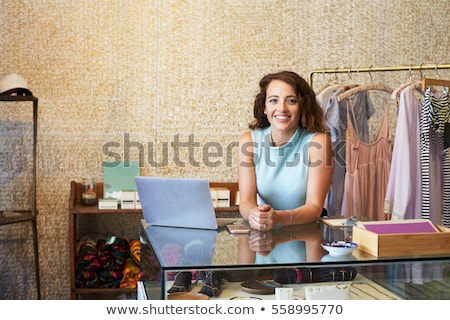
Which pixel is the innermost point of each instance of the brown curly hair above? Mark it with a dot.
(311, 114)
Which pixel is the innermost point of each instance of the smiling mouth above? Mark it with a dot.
(279, 117)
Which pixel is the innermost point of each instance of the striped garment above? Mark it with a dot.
(434, 158)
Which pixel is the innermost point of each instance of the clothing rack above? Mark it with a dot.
(419, 67)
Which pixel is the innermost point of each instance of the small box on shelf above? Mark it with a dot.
(128, 199)
(108, 204)
(220, 197)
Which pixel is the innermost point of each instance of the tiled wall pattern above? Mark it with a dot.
(158, 73)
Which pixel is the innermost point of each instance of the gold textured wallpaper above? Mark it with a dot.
(111, 75)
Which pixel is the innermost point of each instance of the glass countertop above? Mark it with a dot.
(179, 248)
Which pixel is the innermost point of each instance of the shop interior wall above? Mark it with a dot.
(111, 75)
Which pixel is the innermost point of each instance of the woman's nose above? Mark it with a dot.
(283, 105)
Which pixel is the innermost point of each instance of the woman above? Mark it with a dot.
(285, 160)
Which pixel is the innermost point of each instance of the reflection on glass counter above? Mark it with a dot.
(182, 246)
(182, 263)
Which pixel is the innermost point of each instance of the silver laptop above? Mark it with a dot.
(176, 202)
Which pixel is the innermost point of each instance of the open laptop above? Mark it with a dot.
(177, 202)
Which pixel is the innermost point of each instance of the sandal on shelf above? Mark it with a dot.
(212, 282)
(182, 282)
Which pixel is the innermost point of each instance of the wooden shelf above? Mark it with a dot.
(102, 291)
(75, 206)
(17, 216)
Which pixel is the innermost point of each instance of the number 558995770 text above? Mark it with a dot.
(307, 309)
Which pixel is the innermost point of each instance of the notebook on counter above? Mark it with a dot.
(176, 202)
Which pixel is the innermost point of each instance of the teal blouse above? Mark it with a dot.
(281, 172)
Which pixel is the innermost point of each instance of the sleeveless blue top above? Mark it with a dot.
(288, 252)
(281, 172)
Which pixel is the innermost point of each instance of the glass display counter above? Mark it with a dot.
(179, 263)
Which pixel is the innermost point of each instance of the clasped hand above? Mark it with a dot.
(261, 242)
(262, 218)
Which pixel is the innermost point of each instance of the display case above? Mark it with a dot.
(219, 265)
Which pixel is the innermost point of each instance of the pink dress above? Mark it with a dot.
(367, 171)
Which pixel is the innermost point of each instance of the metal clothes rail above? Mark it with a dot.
(370, 69)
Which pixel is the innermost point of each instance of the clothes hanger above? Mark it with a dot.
(416, 86)
(354, 89)
(428, 82)
(396, 93)
(366, 87)
(326, 85)
(350, 85)
(330, 85)
(413, 85)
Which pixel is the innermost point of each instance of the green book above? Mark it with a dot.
(119, 176)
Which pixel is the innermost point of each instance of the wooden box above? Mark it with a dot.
(403, 244)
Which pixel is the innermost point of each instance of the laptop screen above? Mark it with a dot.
(176, 202)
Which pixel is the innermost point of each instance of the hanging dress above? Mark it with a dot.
(404, 190)
(336, 117)
(368, 167)
(434, 158)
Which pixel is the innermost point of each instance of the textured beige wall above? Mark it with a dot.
(155, 69)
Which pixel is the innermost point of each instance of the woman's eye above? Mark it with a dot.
(273, 101)
(292, 100)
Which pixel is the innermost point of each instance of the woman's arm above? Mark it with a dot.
(246, 175)
(320, 174)
(245, 254)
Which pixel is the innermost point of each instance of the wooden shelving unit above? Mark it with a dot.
(76, 210)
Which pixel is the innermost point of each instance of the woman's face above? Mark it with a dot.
(282, 106)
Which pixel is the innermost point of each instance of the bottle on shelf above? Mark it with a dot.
(88, 192)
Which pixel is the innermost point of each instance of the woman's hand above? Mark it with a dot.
(264, 242)
(261, 242)
(262, 218)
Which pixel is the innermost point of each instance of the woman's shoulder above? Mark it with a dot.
(320, 136)
(253, 135)
(246, 136)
